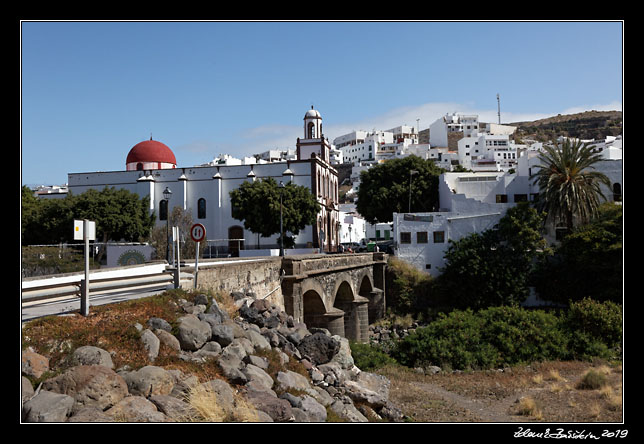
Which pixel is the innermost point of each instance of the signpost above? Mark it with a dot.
(85, 230)
(197, 233)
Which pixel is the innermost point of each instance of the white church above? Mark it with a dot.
(204, 191)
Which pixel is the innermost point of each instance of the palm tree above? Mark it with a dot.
(568, 186)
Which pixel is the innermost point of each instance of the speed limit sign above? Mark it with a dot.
(198, 232)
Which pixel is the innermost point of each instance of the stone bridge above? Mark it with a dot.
(341, 292)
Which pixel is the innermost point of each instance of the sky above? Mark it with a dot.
(90, 91)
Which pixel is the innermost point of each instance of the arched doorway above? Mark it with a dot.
(235, 240)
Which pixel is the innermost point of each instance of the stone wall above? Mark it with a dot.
(260, 277)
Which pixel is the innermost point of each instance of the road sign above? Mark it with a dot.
(78, 230)
(198, 232)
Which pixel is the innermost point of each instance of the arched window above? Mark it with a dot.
(163, 210)
(139, 166)
(201, 208)
(311, 130)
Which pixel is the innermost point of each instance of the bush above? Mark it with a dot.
(595, 328)
(490, 338)
(408, 289)
(369, 357)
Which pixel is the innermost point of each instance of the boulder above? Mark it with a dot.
(278, 409)
(90, 385)
(175, 409)
(160, 324)
(90, 414)
(151, 343)
(48, 406)
(318, 348)
(34, 364)
(347, 412)
(167, 339)
(223, 334)
(193, 333)
(315, 411)
(136, 409)
(257, 377)
(149, 380)
(27, 389)
(90, 355)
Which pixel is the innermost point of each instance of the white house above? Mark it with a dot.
(204, 191)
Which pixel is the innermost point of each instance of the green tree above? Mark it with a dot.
(385, 188)
(257, 204)
(587, 263)
(568, 186)
(118, 213)
(493, 267)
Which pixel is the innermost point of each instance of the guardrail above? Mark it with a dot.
(62, 287)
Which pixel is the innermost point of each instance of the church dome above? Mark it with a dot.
(150, 154)
(312, 113)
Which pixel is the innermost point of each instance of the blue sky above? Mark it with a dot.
(92, 90)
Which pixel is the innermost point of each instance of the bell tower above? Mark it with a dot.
(313, 141)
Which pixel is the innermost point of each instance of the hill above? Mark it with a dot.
(586, 125)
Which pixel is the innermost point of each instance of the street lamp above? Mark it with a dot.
(411, 173)
(166, 194)
(281, 221)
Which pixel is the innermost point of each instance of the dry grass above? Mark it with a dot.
(528, 407)
(206, 407)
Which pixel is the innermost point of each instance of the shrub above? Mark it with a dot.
(595, 328)
(489, 338)
(408, 288)
(369, 357)
(592, 380)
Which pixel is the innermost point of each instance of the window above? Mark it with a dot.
(520, 197)
(405, 238)
(201, 208)
(163, 210)
(501, 198)
(377, 234)
(421, 237)
(428, 266)
(139, 166)
(439, 237)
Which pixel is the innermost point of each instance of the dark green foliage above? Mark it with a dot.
(368, 357)
(408, 289)
(118, 213)
(493, 267)
(258, 205)
(595, 328)
(494, 337)
(384, 188)
(587, 263)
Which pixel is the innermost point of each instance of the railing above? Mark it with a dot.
(52, 288)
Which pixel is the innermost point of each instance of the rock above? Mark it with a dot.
(201, 299)
(175, 409)
(258, 342)
(318, 348)
(151, 343)
(149, 380)
(333, 373)
(27, 389)
(168, 339)
(347, 412)
(363, 395)
(279, 410)
(193, 333)
(48, 406)
(343, 357)
(160, 324)
(223, 334)
(289, 380)
(251, 315)
(90, 414)
(136, 409)
(34, 364)
(374, 382)
(392, 413)
(231, 366)
(90, 385)
(214, 309)
(315, 411)
(258, 376)
(90, 355)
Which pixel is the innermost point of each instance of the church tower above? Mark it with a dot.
(313, 141)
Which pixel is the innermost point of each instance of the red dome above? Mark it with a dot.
(151, 151)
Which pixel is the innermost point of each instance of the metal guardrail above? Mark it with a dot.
(48, 291)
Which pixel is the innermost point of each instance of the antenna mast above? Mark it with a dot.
(498, 102)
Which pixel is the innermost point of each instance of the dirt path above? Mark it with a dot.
(548, 392)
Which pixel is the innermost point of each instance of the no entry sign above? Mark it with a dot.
(198, 232)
